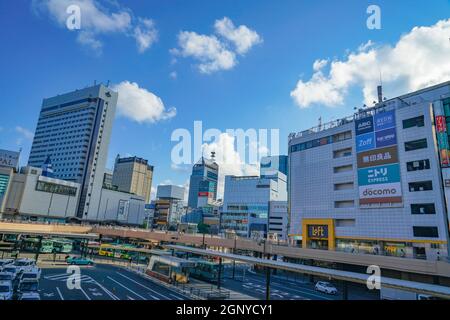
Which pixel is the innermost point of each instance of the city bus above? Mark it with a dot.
(205, 270)
(62, 245)
(112, 251)
(170, 269)
(32, 245)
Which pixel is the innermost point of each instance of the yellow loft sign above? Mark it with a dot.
(318, 229)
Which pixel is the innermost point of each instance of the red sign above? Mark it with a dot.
(440, 124)
(203, 194)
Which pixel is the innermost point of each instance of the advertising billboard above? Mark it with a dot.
(9, 158)
(378, 161)
(388, 192)
(364, 125)
(377, 157)
(124, 206)
(365, 142)
(442, 140)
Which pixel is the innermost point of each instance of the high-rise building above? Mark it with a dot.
(376, 182)
(169, 205)
(133, 175)
(246, 203)
(74, 130)
(272, 164)
(203, 170)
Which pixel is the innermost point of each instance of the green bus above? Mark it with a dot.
(62, 245)
(32, 245)
(205, 270)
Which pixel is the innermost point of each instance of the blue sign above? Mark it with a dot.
(364, 125)
(365, 142)
(386, 138)
(379, 175)
(384, 120)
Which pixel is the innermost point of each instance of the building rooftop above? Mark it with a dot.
(386, 105)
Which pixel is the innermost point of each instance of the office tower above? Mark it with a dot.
(247, 201)
(133, 175)
(74, 130)
(377, 181)
(203, 170)
(270, 165)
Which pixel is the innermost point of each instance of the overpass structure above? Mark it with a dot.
(439, 271)
(417, 287)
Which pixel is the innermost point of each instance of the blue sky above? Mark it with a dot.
(39, 58)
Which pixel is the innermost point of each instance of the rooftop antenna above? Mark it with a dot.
(107, 84)
(320, 122)
(380, 90)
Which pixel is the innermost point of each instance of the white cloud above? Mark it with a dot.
(229, 160)
(242, 37)
(145, 34)
(208, 50)
(213, 53)
(97, 20)
(140, 105)
(173, 75)
(24, 134)
(27, 134)
(419, 59)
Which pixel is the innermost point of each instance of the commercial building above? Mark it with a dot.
(133, 175)
(246, 203)
(272, 164)
(74, 130)
(32, 196)
(278, 220)
(169, 206)
(204, 170)
(376, 182)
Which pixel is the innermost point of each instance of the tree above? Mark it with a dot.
(203, 228)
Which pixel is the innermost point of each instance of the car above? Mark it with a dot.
(6, 276)
(30, 296)
(5, 262)
(27, 286)
(79, 261)
(24, 264)
(326, 287)
(32, 274)
(6, 290)
(12, 270)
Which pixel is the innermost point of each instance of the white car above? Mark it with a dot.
(30, 296)
(6, 276)
(5, 262)
(31, 274)
(6, 290)
(12, 270)
(326, 287)
(25, 264)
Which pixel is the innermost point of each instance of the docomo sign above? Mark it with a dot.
(388, 192)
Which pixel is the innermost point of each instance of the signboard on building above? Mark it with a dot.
(124, 208)
(318, 231)
(9, 158)
(442, 139)
(377, 157)
(377, 161)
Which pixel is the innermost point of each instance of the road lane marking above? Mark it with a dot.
(84, 292)
(60, 294)
(155, 292)
(178, 298)
(123, 286)
(306, 291)
(109, 293)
